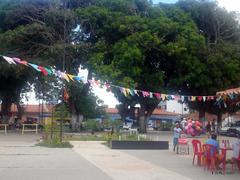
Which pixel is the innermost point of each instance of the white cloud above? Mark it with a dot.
(230, 5)
(107, 97)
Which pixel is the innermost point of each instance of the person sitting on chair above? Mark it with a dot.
(213, 141)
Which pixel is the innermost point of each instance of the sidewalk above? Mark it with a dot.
(122, 166)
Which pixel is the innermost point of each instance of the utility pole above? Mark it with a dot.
(63, 65)
(182, 110)
(181, 101)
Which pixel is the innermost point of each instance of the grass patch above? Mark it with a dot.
(87, 138)
(108, 137)
(55, 145)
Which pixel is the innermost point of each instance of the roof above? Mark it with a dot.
(112, 110)
(48, 108)
(33, 108)
(157, 111)
(229, 91)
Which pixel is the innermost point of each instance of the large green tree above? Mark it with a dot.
(141, 47)
(43, 32)
(222, 56)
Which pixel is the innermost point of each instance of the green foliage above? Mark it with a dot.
(190, 47)
(51, 133)
(87, 138)
(213, 21)
(50, 144)
(41, 31)
(108, 137)
(143, 52)
(115, 124)
(61, 111)
(84, 101)
(92, 125)
(165, 126)
(221, 61)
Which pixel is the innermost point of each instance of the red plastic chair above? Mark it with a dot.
(210, 152)
(183, 145)
(224, 154)
(197, 151)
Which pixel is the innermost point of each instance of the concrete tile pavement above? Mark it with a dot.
(145, 164)
(179, 163)
(20, 160)
(120, 165)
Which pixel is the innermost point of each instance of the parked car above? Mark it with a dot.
(126, 126)
(234, 130)
(224, 129)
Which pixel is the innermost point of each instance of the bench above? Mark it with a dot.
(30, 130)
(5, 128)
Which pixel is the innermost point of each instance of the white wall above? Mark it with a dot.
(174, 106)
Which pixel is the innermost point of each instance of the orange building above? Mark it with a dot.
(32, 113)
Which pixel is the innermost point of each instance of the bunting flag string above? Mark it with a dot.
(125, 91)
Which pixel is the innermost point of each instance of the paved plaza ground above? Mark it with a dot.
(20, 159)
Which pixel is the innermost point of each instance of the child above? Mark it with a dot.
(176, 134)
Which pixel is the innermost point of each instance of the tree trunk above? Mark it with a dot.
(124, 112)
(219, 121)
(76, 121)
(20, 111)
(142, 120)
(201, 115)
(6, 108)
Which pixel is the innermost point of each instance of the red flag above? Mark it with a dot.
(43, 70)
(65, 95)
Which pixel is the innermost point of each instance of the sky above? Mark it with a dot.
(107, 97)
(230, 5)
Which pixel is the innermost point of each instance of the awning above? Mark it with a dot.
(229, 91)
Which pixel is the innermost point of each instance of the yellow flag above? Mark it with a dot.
(65, 77)
(71, 77)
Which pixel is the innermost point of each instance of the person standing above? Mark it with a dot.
(236, 151)
(176, 134)
(208, 129)
(213, 125)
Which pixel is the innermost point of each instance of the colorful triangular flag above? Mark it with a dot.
(19, 61)
(64, 76)
(9, 60)
(70, 77)
(136, 92)
(43, 70)
(34, 66)
(158, 95)
(145, 94)
(204, 98)
(77, 78)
